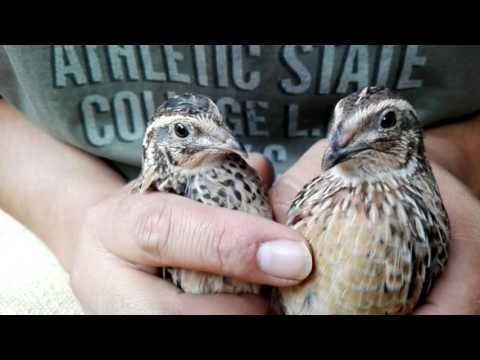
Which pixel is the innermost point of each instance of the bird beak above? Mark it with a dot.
(334, 155)
(226, 141)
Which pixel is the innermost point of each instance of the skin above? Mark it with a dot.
(70, 199)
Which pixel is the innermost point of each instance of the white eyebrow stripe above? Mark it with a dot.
(400, 104)
(164, 120)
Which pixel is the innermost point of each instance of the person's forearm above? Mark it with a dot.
(46, 184)
(456, 148)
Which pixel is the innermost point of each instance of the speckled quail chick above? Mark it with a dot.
(374, 217)
(189, 150)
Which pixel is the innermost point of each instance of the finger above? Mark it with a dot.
(167, 230)
(457, 290)
(263, 166)
(111, 286)
(290, 183)
(444, 152)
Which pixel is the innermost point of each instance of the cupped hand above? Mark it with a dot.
(124, 238)
(457, 290)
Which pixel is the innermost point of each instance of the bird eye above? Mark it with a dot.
(181, 130)
(389, 119)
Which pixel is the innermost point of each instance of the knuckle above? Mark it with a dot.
(153, 230)
(233, 250)
(220, 244)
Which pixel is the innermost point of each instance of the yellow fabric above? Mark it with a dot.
(32, 281)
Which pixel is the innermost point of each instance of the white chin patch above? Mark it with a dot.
(352, 174)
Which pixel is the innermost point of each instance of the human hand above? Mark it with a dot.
(124, 238)
(457, 290)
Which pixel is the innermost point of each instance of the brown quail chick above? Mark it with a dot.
(374, 218)
(188, 150)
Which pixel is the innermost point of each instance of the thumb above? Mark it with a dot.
(164, 230)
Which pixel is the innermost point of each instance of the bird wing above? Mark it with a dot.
(430, 227)
(313, 193)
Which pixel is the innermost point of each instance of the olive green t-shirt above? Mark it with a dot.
(276, 98)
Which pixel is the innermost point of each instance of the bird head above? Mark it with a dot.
(372, 131)
(189, 129)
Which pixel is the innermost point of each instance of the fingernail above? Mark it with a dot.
(285, 259)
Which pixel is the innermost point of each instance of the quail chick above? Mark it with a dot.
(189, 150)
(374, 218)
